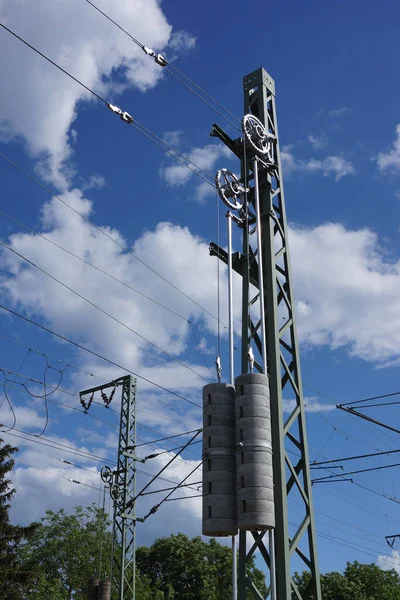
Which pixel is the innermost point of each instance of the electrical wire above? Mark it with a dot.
(104, 312)
(108, 236)
(170, 66)
(96, 354)
(141, 128)
(55, 474)
(372, 398)
(155, 508)
(58, 446)
(357, 457)
(86, 262)
(334, 475)
(171, 437)
(19, 370)
(11, 408)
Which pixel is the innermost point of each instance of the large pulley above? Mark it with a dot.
(260, 140)
(230, 189)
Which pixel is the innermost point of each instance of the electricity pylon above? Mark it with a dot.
(122, 484)
(271, 342)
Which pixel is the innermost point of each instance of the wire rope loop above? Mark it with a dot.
(229, 189)
(257, 136)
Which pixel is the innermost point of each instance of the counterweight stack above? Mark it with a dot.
(219, 460)
(255, 488)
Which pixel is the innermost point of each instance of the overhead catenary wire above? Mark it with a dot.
(19, 370)
(56, 475)
(165, 146)
(357, 457)
(67, 406)
(96, 354)
(103, 311)
(176, 73)
(108, 236)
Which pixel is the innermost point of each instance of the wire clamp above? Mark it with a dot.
(160, 60)
(124, 116)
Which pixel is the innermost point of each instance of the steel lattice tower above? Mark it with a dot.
(122, 482)
(289, 437)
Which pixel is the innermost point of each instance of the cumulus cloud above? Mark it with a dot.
(331, 166)
(95, 181)
(206, 158)
(390, 160)
(318, 141)
(339, 112)
(346, 290)
(40, 105)
(387, 563)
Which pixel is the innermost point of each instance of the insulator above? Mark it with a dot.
(255, 488)
(219, 462)
(105, 590)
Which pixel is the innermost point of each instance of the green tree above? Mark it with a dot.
(358, 582)
(64, 553)
(184, 569)
(13, 574)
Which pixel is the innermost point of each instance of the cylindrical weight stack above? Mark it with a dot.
(104, 590)
(93, 588)
(255, 490)
(219, 460)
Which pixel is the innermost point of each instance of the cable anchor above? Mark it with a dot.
(160, 60)
(124, 116)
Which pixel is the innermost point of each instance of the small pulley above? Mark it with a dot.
(258, 137)
(106, 475)
(230, 189)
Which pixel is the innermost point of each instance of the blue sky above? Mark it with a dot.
(336, 73)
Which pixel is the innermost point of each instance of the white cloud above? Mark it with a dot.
(334, 166)
(173, 138)
(339, 112)
(312, 405)
(390, 160)
(318, 141)
(346, 290)
(387, 563)
(95, 181)
(182, 40)
(205, 158)
(41, 102)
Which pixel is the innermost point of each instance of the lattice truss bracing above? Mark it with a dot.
(295, 545)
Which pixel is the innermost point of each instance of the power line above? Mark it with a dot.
(56, 475)
(326, 462)
(372, 398)
(93, 353)
(86, 262)
(128, 119)
(168, 66)
(103, 232)
(58, 446)
(104, 312)
(74, 395)
(334, 475)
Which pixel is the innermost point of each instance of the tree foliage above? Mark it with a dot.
(184, 569)
(358, 582)
(13, 573)
(65, 553)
